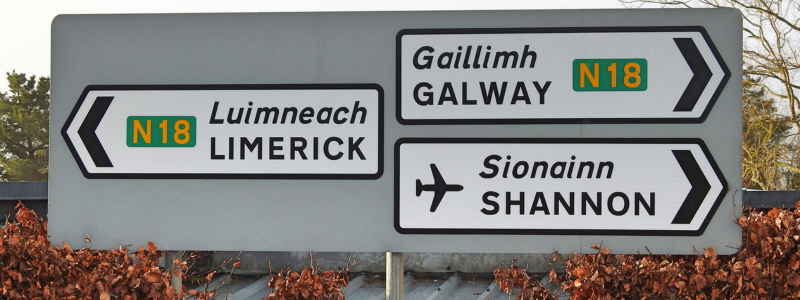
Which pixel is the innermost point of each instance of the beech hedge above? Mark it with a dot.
(766, 266)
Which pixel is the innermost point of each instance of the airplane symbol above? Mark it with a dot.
(439, 187)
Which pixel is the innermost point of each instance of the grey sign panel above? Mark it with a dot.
(114, 73)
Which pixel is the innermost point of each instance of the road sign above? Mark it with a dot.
(172, 69)
(557, 75)
(555, 186)
(228, 131)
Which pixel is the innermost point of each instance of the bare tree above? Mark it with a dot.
(764, 150)
(771, 63)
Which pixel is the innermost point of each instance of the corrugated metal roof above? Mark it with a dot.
(373, 287)
(770, 199)
(29, 190)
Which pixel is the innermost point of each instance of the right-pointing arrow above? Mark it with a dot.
(702, 74)
(700, 187)
(88, 135)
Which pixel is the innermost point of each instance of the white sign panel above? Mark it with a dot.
(555, 186)
(228, 131)
(557, 75)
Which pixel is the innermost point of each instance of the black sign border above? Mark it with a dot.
(449, 231)
(348, 86)
(453, 31)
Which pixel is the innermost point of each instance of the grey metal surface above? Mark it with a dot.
(253, 290)
(27, 190)
(770, 199)
(373, 287)
(216, 283)
(236, 284)
(368, 287)
(32, 194)
(491, 292)
(375, 262)
(422, 288)
(8, 208)
(468, 289)
(446, 289)
(328, 215)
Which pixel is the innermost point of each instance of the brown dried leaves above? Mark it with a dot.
(308, 284)
(32, 269)
(515, 278)
(767, 266)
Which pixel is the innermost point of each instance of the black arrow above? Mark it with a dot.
(702, 74)
(700, 187)
(88, 135)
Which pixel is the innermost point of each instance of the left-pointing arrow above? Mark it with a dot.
(88, 135)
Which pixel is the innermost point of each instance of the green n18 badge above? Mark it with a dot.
(594, 75)
(161, 131)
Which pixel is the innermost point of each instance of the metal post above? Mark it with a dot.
(394, 276)
(176, 281)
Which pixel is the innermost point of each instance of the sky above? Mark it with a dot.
(25, 24)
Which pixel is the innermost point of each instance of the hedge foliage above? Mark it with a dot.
(767, 266)
(31, 269)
